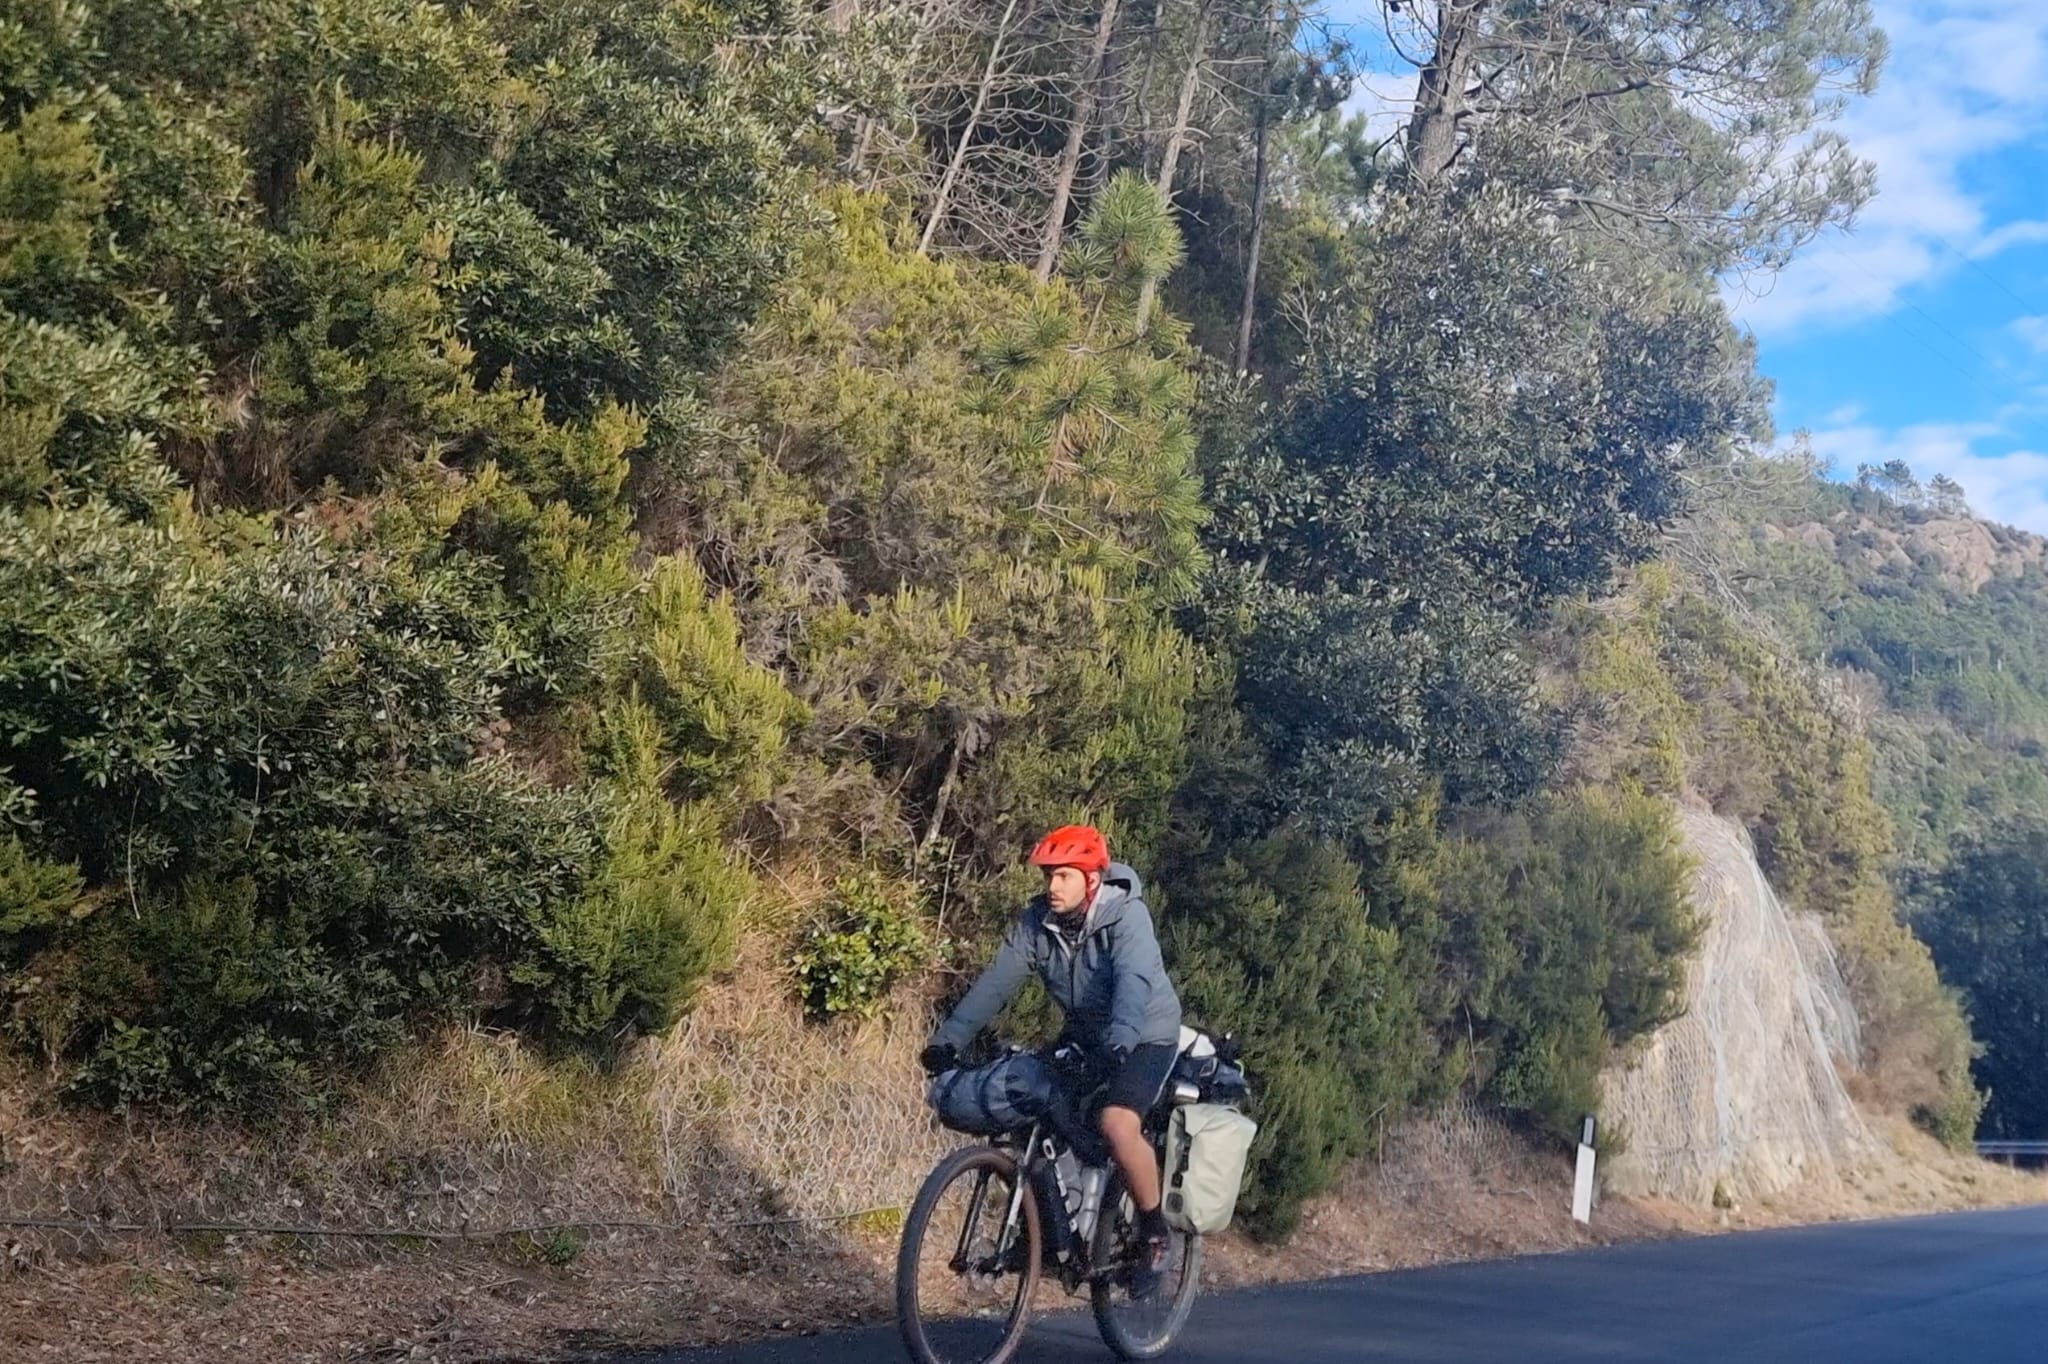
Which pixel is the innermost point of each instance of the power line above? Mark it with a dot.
(1976, 375)
(1989, 278)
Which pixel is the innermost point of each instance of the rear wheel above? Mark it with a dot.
(1139, 1329)
(965, 1273)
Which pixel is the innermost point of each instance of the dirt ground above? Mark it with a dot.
(289, 1301)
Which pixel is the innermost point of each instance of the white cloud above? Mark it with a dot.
(2007, 236)
(2033, 331)
(2010, 487)
(1966, 78)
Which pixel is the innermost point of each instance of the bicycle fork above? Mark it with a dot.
(1068, 1223)
(1012, 1226)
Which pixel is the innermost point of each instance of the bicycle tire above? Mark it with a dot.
(910, 1320)
(1117, 1333)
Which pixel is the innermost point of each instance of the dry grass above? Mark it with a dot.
(171, 1306)
(471, 1134)
(747, 1113)
(1913, 1173)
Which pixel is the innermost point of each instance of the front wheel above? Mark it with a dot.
(1135, 1329)
(967, 1268)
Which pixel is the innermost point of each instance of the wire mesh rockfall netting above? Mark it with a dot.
(1744, 1091)
(464, 1138)
(747, 1114)
(746, 1117)
(758, 1105)
(1450, 1145)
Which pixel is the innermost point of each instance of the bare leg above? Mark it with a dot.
(1134, 1157)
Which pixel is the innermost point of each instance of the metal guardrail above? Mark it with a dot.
(2013, 1152)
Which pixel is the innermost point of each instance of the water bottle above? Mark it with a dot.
(1070, 1181)
(1092, 1181)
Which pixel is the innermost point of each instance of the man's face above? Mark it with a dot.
(1066, 889)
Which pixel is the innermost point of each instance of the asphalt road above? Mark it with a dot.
(1964, 1289)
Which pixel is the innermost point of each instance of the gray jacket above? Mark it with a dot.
(1113, 989)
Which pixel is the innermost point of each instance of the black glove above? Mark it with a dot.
(939, 1057)
(1086, 1068)
(1074, 1065)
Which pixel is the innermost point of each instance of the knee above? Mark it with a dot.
(1119, 1124)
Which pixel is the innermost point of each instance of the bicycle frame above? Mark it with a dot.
(1069, 1232)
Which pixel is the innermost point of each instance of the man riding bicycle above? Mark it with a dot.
(1089, 937)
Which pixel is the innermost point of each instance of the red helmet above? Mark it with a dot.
(1075, 845)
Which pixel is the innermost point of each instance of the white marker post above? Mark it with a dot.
(1582, 1182)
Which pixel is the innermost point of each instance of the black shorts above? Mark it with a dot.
(1138, 1082)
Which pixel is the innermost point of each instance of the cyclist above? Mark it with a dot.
(1089, 937)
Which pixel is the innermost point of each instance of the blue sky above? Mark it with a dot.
(1922, 333)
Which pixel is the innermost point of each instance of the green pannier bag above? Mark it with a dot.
(1206, 1149)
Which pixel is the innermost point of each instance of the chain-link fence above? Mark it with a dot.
(748, 1115)
(820, 1122)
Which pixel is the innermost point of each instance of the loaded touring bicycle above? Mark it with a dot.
(1039, 1200)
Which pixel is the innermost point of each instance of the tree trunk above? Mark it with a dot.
(1190, 85)
(1154, 40)
(1248, 305)
(1432, 140)
(959, 159)
(1077, 136)
(864, 139)
(1103, 123)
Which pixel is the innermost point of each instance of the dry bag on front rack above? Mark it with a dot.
(1009, 1092)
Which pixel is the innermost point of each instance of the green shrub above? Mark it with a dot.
(1271, 941)
(1551, 934)
(725, 719)
(868, 939)
(35, 896)
(657, 915)
(270, 752)
(956, 511)
(318, 392)
(557, 1247)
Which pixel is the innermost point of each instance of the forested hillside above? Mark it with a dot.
(489, 491)
(1930, 623)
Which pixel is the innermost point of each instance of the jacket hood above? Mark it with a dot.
(1125, 879)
